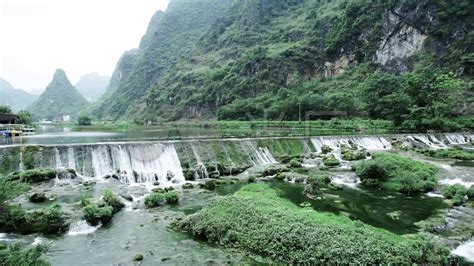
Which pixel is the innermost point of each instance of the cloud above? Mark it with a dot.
(80, 36)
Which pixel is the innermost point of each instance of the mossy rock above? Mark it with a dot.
(274, 169)
(37, 197)
(325, 149)
(353, 155)
(188, 186)
(138, 257)
(331, 161)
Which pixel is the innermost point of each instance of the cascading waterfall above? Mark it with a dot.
(260, 155)
(456, 138)
(21, 166)
(366, 142)
(71, 158)
(57, 157)
(143, 163)
(428, 140)
(201, 171)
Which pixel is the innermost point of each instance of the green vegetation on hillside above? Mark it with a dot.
(60, 98)
(257, 220)
(301, 59)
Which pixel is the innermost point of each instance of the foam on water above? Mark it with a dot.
(349, 180)
(465, 250)
(454, 181)
(433, 195)
(81, 228)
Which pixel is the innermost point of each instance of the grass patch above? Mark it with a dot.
(397, 173)
(157, 199)
(257, 220)
(452, 153)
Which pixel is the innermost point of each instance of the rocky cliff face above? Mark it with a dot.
(60, 98)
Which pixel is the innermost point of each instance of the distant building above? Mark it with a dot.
(9, 119)
(66, 118)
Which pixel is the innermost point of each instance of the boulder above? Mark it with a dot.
(38, 197)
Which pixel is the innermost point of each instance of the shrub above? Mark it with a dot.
(256, 220)
(316, 182)
(48, 220)
(172, 197)
(398, 173)
(452, 153)
(94, 214)
(251, 179)
(34, 175)
(85, 200)
(353, 155)
(154, 200)
(113, 201)
(295, 163)
(21, 255)
(470, 193)
(84, 120)
(455, 193)
(210, 185)
(331, 161)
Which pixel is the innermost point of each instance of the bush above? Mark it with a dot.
(256, 220)
(21, 255)
(34, 175)
(397, 173)
(94, 214)
(158, 198)
(154, 200)
(85, 200)
(331, 161)
(48, 220)
(210, 185)
(295, 163)
(84, 120)
(353, 155)
(456, 193)
(251, 179)
(470, 193)
(172, 197)
(452, 153)
(113, 201)
(316, 182)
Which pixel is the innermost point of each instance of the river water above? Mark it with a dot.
(145, 157)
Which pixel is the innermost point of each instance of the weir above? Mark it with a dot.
(166, 162)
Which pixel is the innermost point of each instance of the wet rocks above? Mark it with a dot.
(127, 197)
(188, 186)
(38, 197)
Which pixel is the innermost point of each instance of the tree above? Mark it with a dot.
(435, 97)
(84, 120)
(384, 96)
(25, 117)
(5, 109)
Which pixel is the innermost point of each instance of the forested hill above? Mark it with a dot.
(60, 98)
(408, 61)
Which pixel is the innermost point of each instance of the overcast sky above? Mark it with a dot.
(79, 36)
